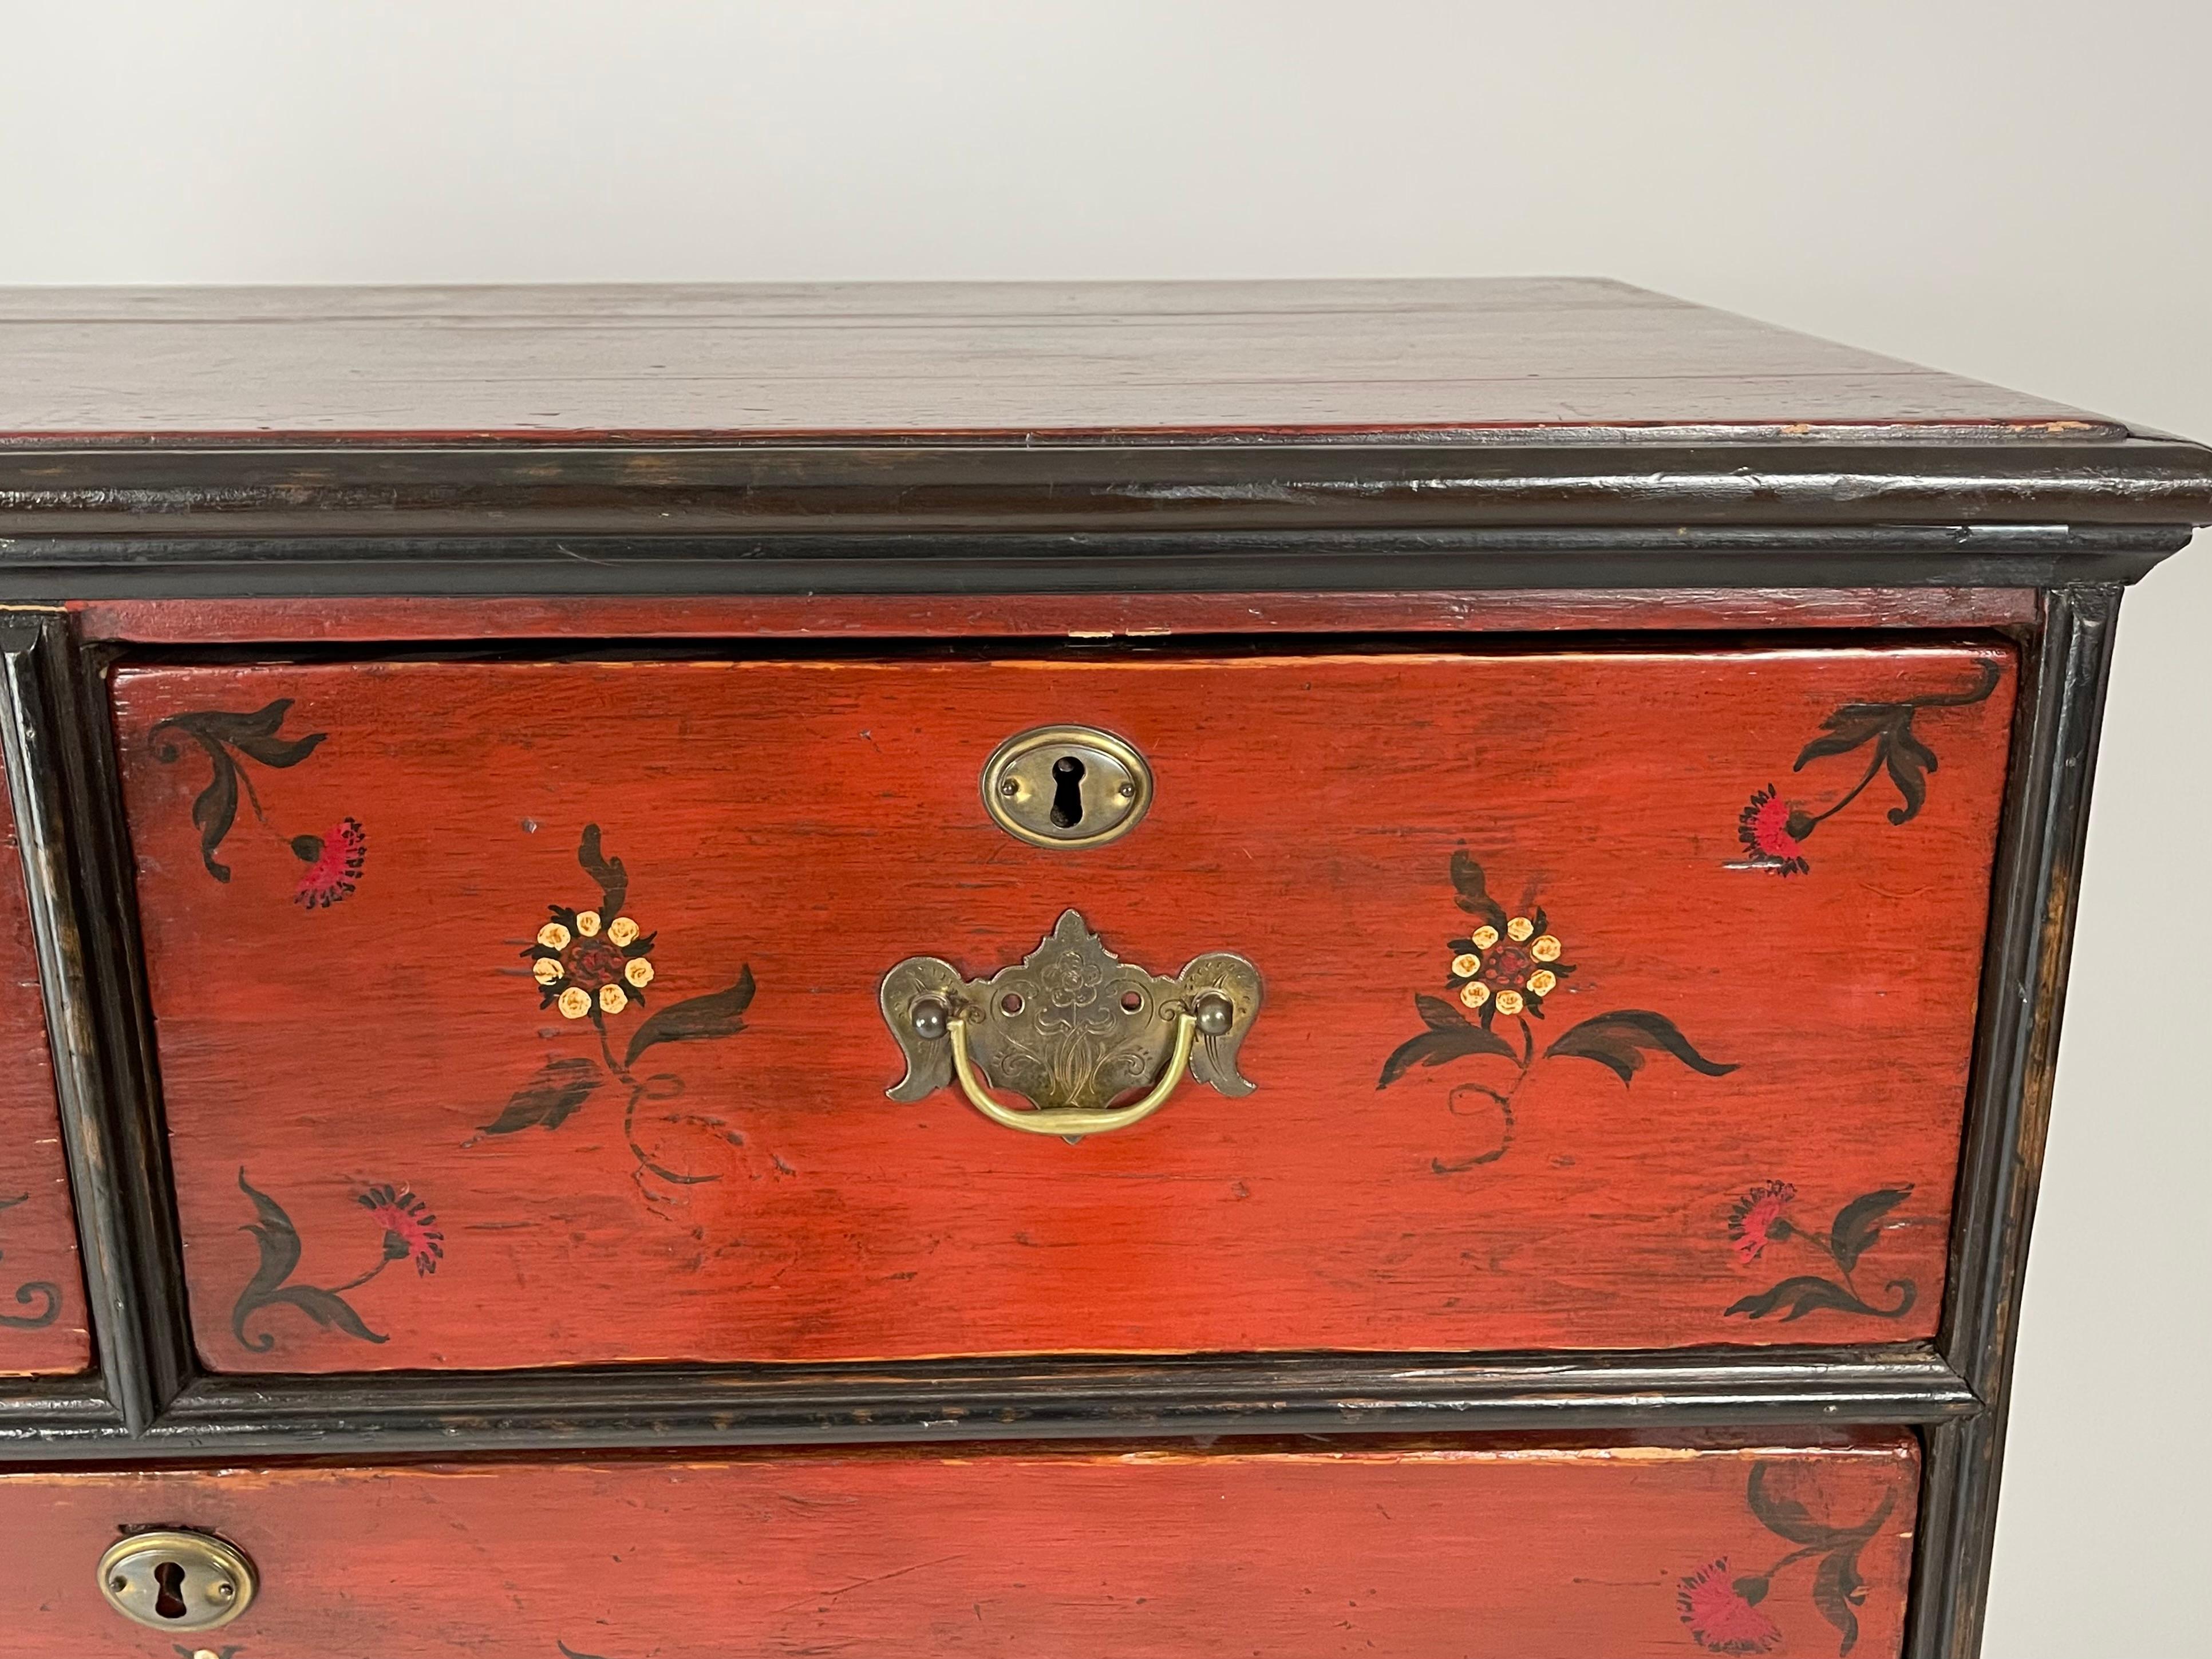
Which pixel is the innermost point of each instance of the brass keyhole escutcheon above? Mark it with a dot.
(178, 1581)
(1067, 786)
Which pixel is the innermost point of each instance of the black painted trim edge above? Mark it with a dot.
(60, 768)
(675, 1408)
(2038, 882)
(53, 570)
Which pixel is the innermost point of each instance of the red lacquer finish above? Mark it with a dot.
(1420, 1552)
(42, 1313)
(1066, 616)
(1711, 1093)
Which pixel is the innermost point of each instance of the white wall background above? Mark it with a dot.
(2022, 192)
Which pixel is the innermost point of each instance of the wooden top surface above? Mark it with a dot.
(1289, 361)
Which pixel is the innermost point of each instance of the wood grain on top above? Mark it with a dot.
(1283, 359)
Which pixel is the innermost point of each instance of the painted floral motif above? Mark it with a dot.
(1508, 971)
(334, 869)
(230, 1652)
(1509, 966)
(333, 860)
(1722, 1617)
(1758, 1219)
(1728, 1614)
(410, 1233)
(1761, 1219)
(1774, 829)
(595, 964)
(43, 1296)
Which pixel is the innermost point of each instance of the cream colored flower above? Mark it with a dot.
(587, 923)
(1484, 936)
(621, 931)
(638, 970)
(613, 1000)
(1467, 964)
(1516, 930)
(1475, 995)
(553, 936)
(575, 1002)
(1509, 1002)
(1545, 948)
(547, 971)
(1543, 981)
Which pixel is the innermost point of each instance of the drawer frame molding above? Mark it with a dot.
(148, 1398)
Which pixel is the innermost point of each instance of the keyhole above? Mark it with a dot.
(1067, 792)
(169, 1603)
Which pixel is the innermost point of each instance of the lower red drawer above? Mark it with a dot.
(1417, 1551)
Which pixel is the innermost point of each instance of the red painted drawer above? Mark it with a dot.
(42, 1310)
(1604, 1552)
(1732, 1114)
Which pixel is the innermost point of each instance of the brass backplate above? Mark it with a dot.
(1071, 1025)
(1067, 786)
(176, 1581)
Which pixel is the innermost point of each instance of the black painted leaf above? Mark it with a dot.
(280, 751)
(547, 1100)
(1800, 1296)
(1849, 726)
(1474, 895)
(327, 1308)
(1621, 1041)
(1909, 761)
(1990, 673)
(1858, 1224)
(215, 809)
(1837, 1592)
(279, 1243)
(1438, 1015)
(716, 1015)
(1435, 1047)
(1784, 1517)
(274, 1232)
(227, 728)
(613, 879)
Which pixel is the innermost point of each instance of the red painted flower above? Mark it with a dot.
(1773, 831)
(1720, 1614)
(333, 864)
(1758, 1219)
(409, 1229)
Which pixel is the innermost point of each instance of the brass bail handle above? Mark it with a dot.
(1071, 1029)
(1213, 1015)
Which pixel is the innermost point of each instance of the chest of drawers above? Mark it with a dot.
(1296, 969)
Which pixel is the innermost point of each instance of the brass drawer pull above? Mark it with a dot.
(1072, 1030)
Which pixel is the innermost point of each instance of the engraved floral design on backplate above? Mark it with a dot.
(594, 965)
(1071, 1026)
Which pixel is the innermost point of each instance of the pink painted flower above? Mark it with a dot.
(333, 864)
(409, 1229)
(1773, 831)
(1758, 1219)
(1722, 1615)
